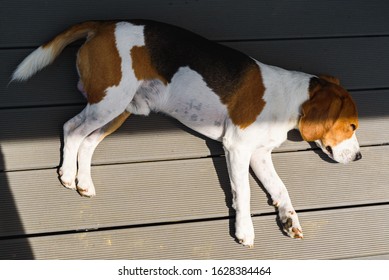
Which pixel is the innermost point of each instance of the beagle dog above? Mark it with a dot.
(139, 66)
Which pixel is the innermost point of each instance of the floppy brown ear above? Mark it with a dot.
(309, 127)
(330, 79)
(318, 114)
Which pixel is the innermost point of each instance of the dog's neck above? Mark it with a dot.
(286, 91)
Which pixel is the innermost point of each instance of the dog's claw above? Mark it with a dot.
(297, 233)
(71, 185)
(86, 192)
(85, 186)
(250, 246)
(66, 180)
(293, 232)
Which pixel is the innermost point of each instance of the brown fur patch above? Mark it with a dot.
(246, 103)
(341, 128)
(143, 68)
(329, 114)
(99, 63)
(330, 79)
(70, 35)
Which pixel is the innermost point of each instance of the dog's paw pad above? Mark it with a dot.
(291, 224)
(245, 232)
(85, 186)
(69, 184)
(297, 233)
(86, 192)
(293, 229)
(246, 244)
(67, 180)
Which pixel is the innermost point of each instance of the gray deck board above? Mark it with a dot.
(36, 21)
(373, 257)
(328, 235)
(170, 191)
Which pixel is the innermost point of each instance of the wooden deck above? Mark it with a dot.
(163, 190)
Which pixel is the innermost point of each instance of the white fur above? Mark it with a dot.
(37, 60)
(192, 102)
(345, 151)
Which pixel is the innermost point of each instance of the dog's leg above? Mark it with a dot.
(238, 169)
(93, 116)
(84, 180)
(262, 165)
(68, 128)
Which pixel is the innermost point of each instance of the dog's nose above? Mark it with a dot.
(358, 156)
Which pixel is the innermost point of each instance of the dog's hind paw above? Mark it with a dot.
(67, 179)
(85, 187)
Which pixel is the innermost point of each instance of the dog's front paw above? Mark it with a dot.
(85, 187)
(67, 179)
(244, 231)
(290, 223)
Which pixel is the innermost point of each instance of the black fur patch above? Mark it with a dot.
(171, 47)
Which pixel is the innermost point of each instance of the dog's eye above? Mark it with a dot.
(329, 149)
(354, 127)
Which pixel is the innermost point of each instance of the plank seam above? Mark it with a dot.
(180, 159)
(181, 222)
(250, 40)
(303, 38)
(44, 106)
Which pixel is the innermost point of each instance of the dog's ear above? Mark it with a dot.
(318, 114)
(330, 79)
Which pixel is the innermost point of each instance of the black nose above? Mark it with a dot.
(358, 156)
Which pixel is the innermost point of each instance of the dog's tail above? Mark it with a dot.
(45, 54)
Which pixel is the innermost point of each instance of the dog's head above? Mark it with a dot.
(330, 119)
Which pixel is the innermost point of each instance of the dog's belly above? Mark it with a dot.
(194, 104)
(186, 98)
